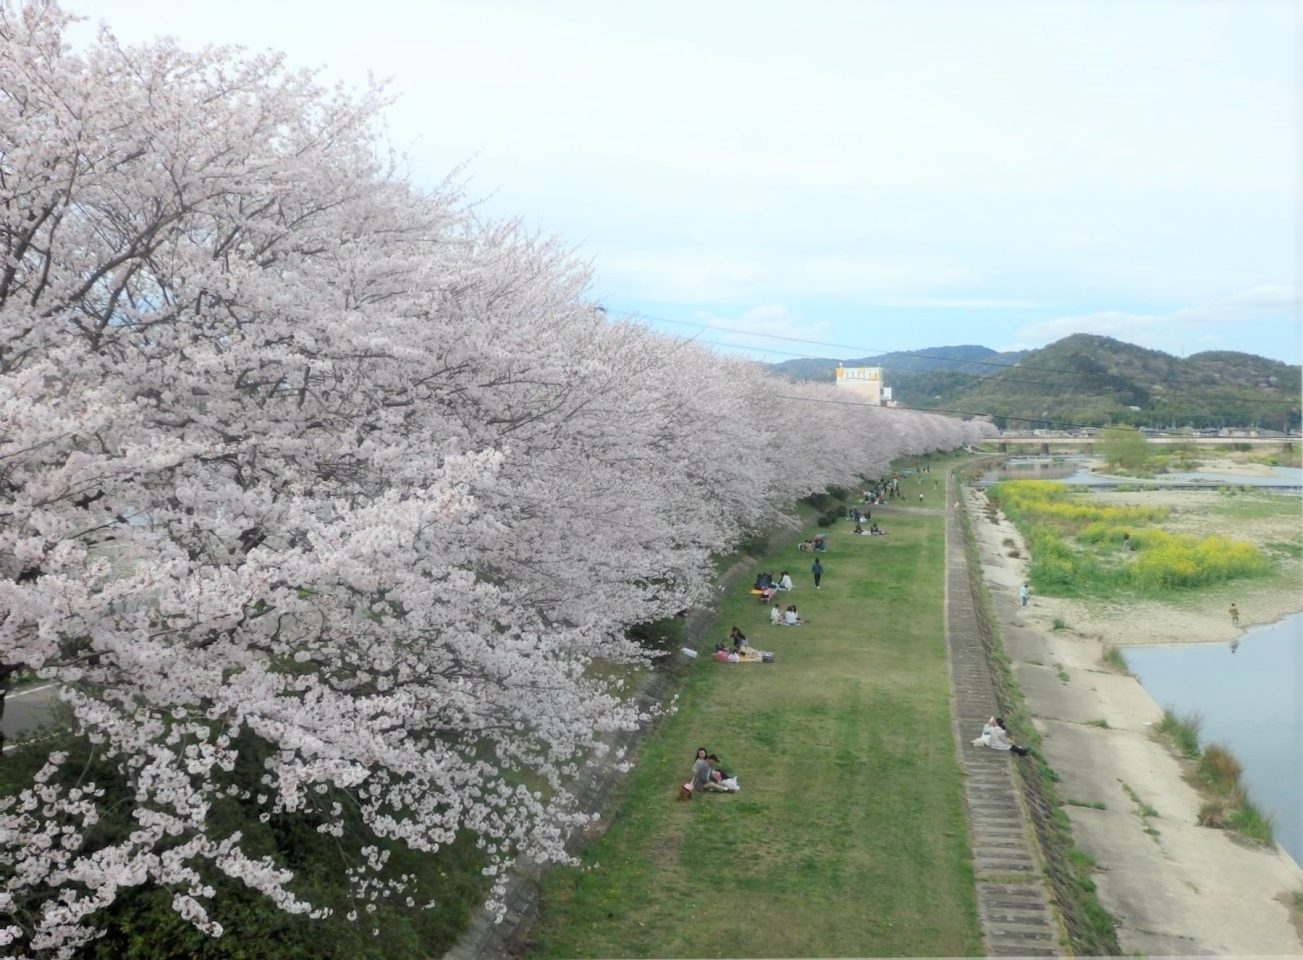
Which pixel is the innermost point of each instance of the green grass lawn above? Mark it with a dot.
(848, 837)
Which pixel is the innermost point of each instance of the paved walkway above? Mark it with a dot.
(25, 710)
(1013, 902)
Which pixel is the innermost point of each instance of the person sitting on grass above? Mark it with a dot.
(700, 775)
(785, 581)
(739, 639)
(775, 616)
(791, 618)
(720, 779)
(876, 531)
(858, 529)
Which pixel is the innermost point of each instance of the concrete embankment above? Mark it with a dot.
(1173, 887)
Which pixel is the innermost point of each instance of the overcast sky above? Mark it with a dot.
(891, 175)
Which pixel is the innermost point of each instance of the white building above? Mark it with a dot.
(865, 381)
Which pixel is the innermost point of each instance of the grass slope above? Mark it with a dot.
(848, 837)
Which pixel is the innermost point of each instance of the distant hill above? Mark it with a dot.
(1092, 381)
(1087, 380)
(968, 359)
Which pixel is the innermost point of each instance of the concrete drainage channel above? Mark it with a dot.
(485, 939)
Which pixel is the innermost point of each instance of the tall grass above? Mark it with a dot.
(1228, 806)
(1218, 769)
(1115, 658)
(1183, 731)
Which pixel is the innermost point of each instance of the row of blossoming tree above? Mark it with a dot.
(292, 450)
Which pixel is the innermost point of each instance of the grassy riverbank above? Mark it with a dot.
(848, 837)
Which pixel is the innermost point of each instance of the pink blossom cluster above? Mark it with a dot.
(293, 450)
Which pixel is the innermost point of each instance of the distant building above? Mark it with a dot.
(865, 381)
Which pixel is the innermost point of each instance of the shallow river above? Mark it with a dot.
(1250, 700)
(1073, 471)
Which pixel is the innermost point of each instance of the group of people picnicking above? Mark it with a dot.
(785, 618)
(739, 651)
(766, 586)
(706, 775)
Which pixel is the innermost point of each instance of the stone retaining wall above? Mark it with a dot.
(1038, 797)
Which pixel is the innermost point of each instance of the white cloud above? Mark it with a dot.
(974, 303)
(858, 155)
(1106, 323)
(1268, 302)
(1257, 303)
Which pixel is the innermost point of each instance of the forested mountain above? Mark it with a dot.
(969, 359)
(1091, 381)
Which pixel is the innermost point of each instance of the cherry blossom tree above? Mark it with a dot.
(291, 450)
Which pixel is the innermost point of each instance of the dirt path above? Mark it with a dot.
(1174, 888)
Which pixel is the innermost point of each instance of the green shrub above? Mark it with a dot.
(839, 493)
(1124, 447)
(827, 520)
(1251, 823)
(141, 925)
(666, 634)
(754, 544)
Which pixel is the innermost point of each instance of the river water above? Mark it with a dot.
(1073, 471)
(1251, 701)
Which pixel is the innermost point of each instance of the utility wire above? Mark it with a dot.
(867, 351)
(976, 376)
(806, 356)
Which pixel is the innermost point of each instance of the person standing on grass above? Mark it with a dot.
(1022, 594)
(817, 570)
(1235, 616)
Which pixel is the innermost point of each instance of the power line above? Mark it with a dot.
(1081, 374)
(806, 356)
(843, 346)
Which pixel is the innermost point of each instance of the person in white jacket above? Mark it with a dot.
(995, 736)
(785, 582)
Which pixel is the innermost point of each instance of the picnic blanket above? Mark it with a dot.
(750, 656)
